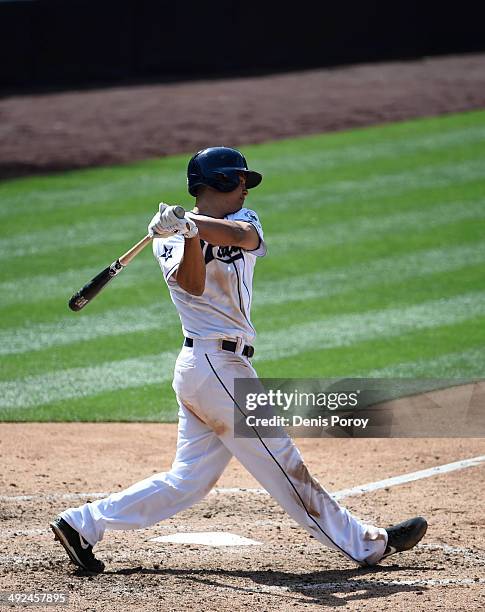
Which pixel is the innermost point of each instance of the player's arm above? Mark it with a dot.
(227, 233)
(190, 275)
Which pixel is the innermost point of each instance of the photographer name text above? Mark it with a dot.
(299, 421)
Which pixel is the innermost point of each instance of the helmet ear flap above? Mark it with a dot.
(195, 177)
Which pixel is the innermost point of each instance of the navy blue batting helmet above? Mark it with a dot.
(219, 168)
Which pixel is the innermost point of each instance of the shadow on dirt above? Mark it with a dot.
(327, 588)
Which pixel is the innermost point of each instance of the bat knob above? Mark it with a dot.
(77, 302)
(179, 212)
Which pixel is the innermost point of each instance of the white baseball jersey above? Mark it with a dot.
(223, 310)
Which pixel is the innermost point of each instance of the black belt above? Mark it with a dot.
(226, 345)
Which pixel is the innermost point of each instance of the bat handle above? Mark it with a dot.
(125, 259)
(133, 252)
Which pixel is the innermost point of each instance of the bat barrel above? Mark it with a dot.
(91, 289)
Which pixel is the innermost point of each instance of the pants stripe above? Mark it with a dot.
(280, 467)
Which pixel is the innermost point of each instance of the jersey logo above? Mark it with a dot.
(227, 254)
(251, 216)
(167, 252)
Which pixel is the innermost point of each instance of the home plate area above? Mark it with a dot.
(237, 549)
(207, 538)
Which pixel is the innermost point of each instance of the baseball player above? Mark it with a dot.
(207, 260)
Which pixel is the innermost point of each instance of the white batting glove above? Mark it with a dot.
(191, 229)
(155, 227)
(169, 221)
(166, 223)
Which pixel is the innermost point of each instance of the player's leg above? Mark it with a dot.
(277, 464)
(199, 461)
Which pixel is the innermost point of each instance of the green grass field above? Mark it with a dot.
(375, 268)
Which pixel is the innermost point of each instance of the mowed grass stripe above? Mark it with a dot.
(289, 288)
(449, 365)
(350, 329)
(86, 382)
(334, 281)
(379, 352)
(129, 320)
(397, 183)
(331, 333)
(397, 293)
(373, 227)
(94, 187)
(316, 159)
(80, 234)
(71, 329)
(358, 228)
(61, 285)
(99, 230)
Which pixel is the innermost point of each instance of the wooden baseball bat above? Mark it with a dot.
(90, 290)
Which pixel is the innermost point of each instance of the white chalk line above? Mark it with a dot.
(410, 477)
(366, 585)
(359, 490)
(474, 556)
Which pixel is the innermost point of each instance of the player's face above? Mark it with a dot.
(235, 198)
(220, 203)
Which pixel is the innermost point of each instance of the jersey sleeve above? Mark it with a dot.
(168, 252)
(245, 214)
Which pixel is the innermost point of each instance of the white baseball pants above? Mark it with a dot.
(203, 382)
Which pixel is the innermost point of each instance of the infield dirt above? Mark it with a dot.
(289, 570)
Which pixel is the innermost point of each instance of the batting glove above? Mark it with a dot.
(166, 223)
(155, 227)
(191, 230)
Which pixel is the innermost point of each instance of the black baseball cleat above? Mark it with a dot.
(79, 551)
(405, 535)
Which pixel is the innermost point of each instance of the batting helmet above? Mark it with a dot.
(219, 168)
